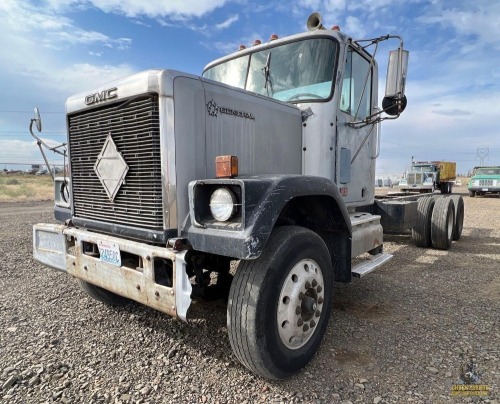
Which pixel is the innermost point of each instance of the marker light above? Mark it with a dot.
(257, 42)
(335, 28)
(242, 47)
(273, 37)
(226, 166)
(222, 204)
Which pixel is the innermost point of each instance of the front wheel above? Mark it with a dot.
(279, 303)
(103, 295)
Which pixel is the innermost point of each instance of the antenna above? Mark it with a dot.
(482, 153)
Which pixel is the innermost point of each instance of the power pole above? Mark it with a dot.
(482, 153)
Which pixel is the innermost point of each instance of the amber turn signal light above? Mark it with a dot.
(226, 166)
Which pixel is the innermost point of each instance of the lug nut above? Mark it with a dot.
(314, 283)
(320, 300)
(318, 313)
(305, 328)
(300, 323)
(308, 285)
(319, 289)
(312, 323)
(298, 310)
(301, 296)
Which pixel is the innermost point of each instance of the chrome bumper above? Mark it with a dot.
(61, 248)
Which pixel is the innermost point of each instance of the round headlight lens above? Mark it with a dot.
(222, 204)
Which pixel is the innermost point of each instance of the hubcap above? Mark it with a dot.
(300, 304)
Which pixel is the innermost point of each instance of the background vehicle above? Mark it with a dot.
(428, 176)
(268, 158)
(485, 180)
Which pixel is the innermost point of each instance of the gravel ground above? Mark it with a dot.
(400, 334)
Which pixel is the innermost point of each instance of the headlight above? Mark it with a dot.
(62, 188)
(222, 204)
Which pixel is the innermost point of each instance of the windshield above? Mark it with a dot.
(488, 171)
(297, 71)
(422, 169)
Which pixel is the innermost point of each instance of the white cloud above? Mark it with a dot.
(355, 27)
(52, 30)
(226, 24)
(151, 9)
(479, 19)
(47, 71)
(21, 151)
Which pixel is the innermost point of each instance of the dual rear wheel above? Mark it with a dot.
(439, 221)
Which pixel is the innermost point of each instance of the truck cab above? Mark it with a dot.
(485, 180)
(266, 160)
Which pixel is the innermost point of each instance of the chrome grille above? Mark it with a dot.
(134, 126)
(415, 178)
(485, 183)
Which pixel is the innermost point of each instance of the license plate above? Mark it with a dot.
(485, 189)
(109, 253)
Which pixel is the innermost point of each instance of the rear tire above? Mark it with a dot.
(280, 303)
(421, 233)
(103, 295)
(459, 216)
(472, 194)
(442, 223)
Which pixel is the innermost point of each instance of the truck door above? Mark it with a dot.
(356, 147)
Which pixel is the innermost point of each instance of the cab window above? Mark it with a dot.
(356, 86)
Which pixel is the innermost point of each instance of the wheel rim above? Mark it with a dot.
(300, 304)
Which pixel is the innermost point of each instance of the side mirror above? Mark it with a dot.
(395, 101)
(38, 120)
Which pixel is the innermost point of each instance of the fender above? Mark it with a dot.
(264, 204)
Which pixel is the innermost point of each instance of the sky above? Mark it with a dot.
(51, 49)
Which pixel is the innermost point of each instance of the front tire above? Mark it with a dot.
(280, 303)
(103, 295)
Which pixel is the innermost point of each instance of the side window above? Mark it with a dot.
(356, 89)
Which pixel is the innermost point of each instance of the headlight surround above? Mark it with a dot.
(222, 204)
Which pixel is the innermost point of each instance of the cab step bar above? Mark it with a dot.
(370, 265)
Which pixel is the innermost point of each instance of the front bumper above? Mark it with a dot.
(484, 189)
(61, 248)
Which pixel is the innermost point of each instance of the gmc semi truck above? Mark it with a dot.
(266, 160)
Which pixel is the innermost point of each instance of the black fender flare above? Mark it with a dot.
(264, 201)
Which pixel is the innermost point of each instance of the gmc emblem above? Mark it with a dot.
(104, 95)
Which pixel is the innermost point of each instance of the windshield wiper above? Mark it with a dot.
(267, 74)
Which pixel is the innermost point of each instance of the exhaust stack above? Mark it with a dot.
(314, 22)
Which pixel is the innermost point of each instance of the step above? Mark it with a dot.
(366, 267)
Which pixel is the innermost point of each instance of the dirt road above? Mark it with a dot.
(404, 333)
